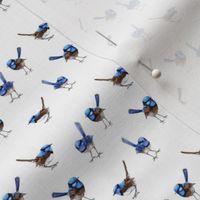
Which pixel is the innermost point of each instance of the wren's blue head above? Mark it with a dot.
(44, 150)
(11, 63)
(120, 71)
(8, 196)
(69, 48)
(61, 80)
(146, 99)
(179, 189)
(143, 141)
(33, 119)
(118, 188)
(89, 112)
(42, 27)
(74, 183)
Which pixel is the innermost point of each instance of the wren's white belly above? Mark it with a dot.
(49, 159)
(9, 92)
(89, 148)
(125, 79)
(151, 114)
(147, 149)
(78, 197)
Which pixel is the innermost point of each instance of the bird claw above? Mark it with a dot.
(53, 166)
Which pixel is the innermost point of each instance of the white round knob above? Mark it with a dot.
(156, 73)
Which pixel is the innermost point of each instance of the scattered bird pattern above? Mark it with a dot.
(86, 145)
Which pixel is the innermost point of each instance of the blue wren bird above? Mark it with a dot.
(186, 189)
(127, 186)
(70, 52)
(120, 78)
(41, 33)
(7, 89)
(86, 143)
(2, 130)
(18, 63)
(61, 82)
(43, 159)
(76, 190)
(43, 113)
(143, 146)
(3, 7)
(97, 114)
(15, 195)
(150, 108)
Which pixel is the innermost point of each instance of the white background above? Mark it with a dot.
(155, 180)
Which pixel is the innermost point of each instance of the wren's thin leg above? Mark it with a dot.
(105, 124)
(161, 121)
(127, 85)
(51, 166)
(48, 117)
(98, 153)
(18, 95)
(6, 131)
(136, 192)
(164, 116)
(5, 136)
(28, 68)
(154, 157)
(156, 151)
(88, 198)
(25, 71)
(109, 122)
(92, 157)
(197, 193)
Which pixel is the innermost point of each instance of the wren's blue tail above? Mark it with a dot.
(134, 111)
(185, 172)
(48, 83)
(17, 183)
(128, 142)
(97, 99)
(59, 194)
(2, 78)
(55, 57)
(19, 50)
(79, 127)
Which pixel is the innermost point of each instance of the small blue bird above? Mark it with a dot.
(120, 78)
(44, 158)
(18, 63)
(97, 114)
(127, 186)
(41, 33)
(4, 7)
(76, 190)
(186, 189)
(8, 89)
(143, 146)
(150, 108)
(61, 82)
(69, 52)
(16, 195)
(2, 130)
(43, 113)
(86, 144)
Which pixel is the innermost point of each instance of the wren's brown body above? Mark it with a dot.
(41, 161)
(18, 196)
(20, 64)
(76, 194)
(188, 187)
(70, 55)
(148, 111)
(99, 114)
(118, 80)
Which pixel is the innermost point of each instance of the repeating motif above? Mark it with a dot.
(86, 144)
